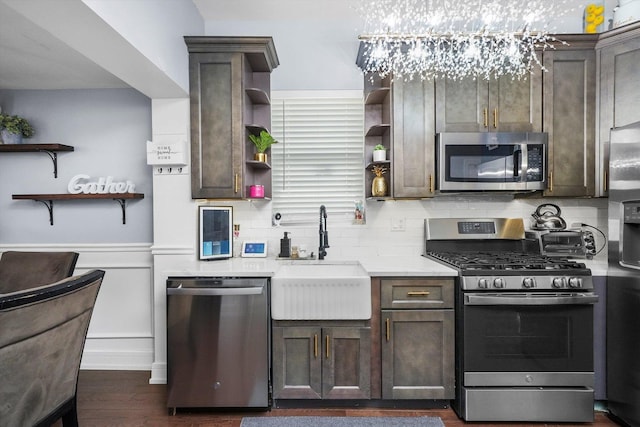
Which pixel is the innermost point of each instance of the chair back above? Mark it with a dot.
(42, 336)
(23, 270)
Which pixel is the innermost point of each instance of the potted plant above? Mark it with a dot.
(379, 153)
(262, 141)
(14, 128)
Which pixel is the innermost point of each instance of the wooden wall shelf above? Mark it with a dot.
(51, 150)
(48, 199)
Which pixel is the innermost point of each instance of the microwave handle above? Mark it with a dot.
(517, 159)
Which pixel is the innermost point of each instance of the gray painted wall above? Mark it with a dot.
(109, 129)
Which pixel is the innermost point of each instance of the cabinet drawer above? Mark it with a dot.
(417, 293)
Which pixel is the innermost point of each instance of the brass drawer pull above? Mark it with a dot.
(418, 293)
(327, 344)
(495, 118)
(485, 117)
(315, 346)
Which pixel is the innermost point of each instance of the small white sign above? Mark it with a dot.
(167, 154)
(80, 184)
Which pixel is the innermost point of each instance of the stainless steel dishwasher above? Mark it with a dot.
(218, 341)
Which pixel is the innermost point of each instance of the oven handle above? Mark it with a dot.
(531, 299)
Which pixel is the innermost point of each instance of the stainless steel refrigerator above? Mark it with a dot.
(623, 282)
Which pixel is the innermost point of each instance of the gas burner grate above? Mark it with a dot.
(514, 261)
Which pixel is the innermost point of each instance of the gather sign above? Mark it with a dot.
(81, 184)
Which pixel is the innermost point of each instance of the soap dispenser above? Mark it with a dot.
(285, 246)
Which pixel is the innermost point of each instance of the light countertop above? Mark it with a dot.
(267, 267)
(374, 266)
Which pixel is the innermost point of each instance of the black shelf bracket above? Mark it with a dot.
(54, 158)
(123, 205)
(49, 205)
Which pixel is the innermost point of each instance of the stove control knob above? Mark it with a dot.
(558, 282)
(529, 282)
(483, 283)
(575, 282)
(498, 282)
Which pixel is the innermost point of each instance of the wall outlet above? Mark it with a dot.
(170, 170)
(397, 224)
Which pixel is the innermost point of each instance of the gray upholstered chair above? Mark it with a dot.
(42, 336)
(22, 270)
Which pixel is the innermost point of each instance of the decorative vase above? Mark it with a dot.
(11, 138)
(379, 155)
(379, 186)
(260, 157)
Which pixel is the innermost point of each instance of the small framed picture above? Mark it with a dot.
(216, 232)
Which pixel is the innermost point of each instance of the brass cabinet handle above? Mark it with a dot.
(418, 293)
(485, 116)
(388, 327)
(327, 345)
(315, 346)
(495, 118)
(551, 181)
(237, 178)
(430, 183)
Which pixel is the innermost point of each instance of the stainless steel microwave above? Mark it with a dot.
(500, 161)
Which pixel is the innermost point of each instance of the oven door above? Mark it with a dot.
(528, 339)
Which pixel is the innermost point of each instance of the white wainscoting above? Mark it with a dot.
(120, 334)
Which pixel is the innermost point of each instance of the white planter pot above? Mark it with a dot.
(379, 155)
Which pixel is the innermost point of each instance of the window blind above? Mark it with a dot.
(319, 159)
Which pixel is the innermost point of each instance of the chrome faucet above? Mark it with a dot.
(324, 235)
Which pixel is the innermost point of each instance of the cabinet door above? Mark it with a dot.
(515, 105)
(346, 370)
(413, 139)
(297, 363)
(217, 131)
(569, 119)
(417, 354)
(619, 94)
(461, 105)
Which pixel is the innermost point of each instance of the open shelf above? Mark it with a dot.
(48, 199)
(377, 96)
(378, 130)
(258, 96)
(258, 165)
(50, 149)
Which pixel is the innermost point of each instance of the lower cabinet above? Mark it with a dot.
(321, 362)
(417, 343)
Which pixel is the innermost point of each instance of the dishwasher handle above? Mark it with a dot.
(255, 290)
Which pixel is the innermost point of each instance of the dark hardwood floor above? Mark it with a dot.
(125, 398)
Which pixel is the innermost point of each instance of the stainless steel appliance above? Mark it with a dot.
(623, 281)
(576, 243)
(218, 341)
(524, 324)
(486, 161)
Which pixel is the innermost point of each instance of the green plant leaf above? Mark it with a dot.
(262, 141)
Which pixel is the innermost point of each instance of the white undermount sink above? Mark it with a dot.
(321, 291)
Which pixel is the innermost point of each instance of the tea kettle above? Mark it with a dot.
(547, 217)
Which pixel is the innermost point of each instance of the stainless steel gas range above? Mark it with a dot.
(524, 324)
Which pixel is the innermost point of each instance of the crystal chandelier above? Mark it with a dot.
(455, 38)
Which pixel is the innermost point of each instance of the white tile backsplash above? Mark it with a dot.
(376, 237)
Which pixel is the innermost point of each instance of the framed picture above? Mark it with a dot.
(216, 232)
